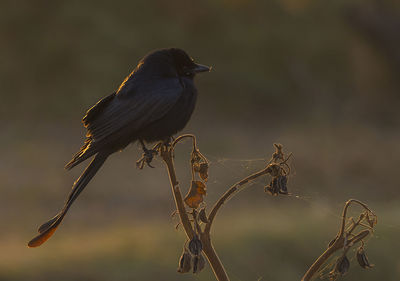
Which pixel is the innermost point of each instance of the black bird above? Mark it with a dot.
(153, 103)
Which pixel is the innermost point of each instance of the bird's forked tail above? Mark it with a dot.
(47, 229)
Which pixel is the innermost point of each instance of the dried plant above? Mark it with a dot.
(351, 233)
(192, 212)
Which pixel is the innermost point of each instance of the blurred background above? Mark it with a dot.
(320, 77)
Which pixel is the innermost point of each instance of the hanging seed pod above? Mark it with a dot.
(195, 194)
(203, 215)
(268, 189)
(203, 171)
(198, 263)
(185, 262)
(282, 182)
(274, 169)
(342, 265)
(273, 187)
(195, 245)
(362, 258)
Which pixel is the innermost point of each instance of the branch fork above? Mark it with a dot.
(197, 225)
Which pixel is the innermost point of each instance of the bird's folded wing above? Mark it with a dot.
(135, 106)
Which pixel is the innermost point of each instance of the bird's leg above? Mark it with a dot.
(148, 155)
(167, 143)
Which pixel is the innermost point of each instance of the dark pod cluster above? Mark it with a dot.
(195, 245)
(192, 257)
(278, 185)
(203, 216)
(362, 258)
(279, 171)
(202, 169)
(342, 264)
(185, 262)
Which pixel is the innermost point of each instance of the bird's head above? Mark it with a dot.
(185, 65)
(172, 62)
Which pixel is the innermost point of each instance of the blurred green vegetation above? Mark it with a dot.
(312, 75)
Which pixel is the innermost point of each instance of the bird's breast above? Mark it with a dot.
(175, 119)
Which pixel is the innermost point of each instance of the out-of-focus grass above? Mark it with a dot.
(285, 71)
(120, 228)
(274, 242)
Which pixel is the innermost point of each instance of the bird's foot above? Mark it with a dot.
(147, 157)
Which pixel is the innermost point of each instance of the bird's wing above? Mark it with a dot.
(135, 105)
(96, 109)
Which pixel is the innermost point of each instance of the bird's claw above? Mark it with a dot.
(147, 157)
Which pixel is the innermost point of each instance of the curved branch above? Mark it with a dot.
(344, 214)
(230, 193)
(180, 138)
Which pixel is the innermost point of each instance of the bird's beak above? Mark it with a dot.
(201, 68)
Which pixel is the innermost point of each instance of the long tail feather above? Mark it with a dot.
(47, 229)
(86, 151)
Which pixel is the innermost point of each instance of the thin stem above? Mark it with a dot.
(212, 257)
(344, 214)
(208, 249)
(167, 157)
(322, 259)
(230, 193)
(358, 237)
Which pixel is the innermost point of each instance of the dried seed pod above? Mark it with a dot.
(362, 258)
(342, 265)
(198, 263)
(273, 187)
(268, 189)
(282, 183)
(203, 215)
(195, 194)
(185, 262)
(203, 171)
(195, 245)
(274, 169)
